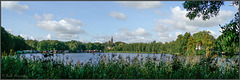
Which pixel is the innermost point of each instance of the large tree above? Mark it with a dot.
(7, 41)
(10, 42)
(208, 9)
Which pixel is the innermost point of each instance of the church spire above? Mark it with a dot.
(112, 40)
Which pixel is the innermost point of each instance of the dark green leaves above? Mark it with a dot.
(206, 9)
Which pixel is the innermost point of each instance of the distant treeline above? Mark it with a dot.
(184, 44)
(72, 45)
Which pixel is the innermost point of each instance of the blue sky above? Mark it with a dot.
(97, 21)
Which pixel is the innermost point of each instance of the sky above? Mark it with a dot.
(98, 21)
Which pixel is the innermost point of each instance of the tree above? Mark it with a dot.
(185, 41)
(32, 43)
(191, 45)
(7, 41)
(20, 43)
(231, 31)
(11, 42)
(178, 44)
(207, 40)
(208, 9)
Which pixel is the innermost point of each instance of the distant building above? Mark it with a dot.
(111, 43)
(109, 47)
(198, 46)
(112, 40)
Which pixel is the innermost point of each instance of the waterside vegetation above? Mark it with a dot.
(122, 68)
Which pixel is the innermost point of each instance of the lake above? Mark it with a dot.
(85, 57)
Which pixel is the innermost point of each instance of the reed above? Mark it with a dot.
(106, 68)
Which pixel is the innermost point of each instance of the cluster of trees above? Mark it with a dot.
(11, 42)
(72, 45)
(184, 44)
(229, 40)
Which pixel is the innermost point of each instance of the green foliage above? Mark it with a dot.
(33, 44)
(7, 41)
(207, 40)
(230, 37)
(36, 68)
(206, 9)
(184, 44)
(222, 45)
(191, 45)
(230, 34)
(72, 45)
(11, 42)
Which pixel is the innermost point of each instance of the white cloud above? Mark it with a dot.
(164, 35)
(67, 36)
(102, 38)
(130, 38)
(215, 35)
(138, 35)
(9, 30)
(118, 15)
(27, 37)
(48, 16)
(49, 36)
(60, 27)
(141, 32)
(167, 37)
(66, 28)
(179, 21)
(178, 33)
(36, 16)
(141, 4)
(158, 12)
(84, 40)
(214, 21)
(14, 5)
(160, 28)
(24, 36)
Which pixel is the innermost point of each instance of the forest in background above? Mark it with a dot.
(184, 44)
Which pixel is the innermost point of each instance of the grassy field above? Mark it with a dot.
(123, 68)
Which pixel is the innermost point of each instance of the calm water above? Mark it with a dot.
(85, 57)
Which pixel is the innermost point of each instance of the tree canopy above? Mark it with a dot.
(207, 9)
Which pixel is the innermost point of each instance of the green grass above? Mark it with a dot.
(17, 67)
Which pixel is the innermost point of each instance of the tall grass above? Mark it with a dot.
(111, 68)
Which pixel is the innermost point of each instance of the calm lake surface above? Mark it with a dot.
(85, 57)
